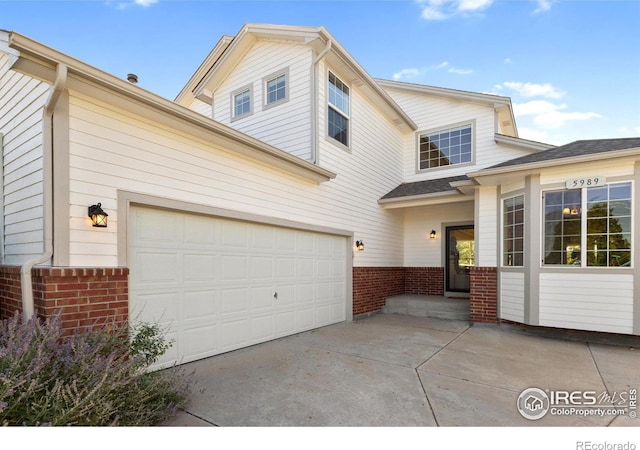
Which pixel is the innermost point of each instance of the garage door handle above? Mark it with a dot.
(275, 295)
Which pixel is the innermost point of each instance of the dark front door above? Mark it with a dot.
(460, 244)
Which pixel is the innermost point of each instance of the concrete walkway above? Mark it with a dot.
(394, 370)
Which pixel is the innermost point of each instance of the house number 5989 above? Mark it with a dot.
(578, 183)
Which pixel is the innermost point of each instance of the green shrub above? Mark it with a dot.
(94, 378)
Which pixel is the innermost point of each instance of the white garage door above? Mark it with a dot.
(218, 285)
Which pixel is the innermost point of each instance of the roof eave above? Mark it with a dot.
(538, 165)
(40, 61)
(423, 199)
(524, 144)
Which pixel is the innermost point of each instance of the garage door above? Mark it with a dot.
(217, 284)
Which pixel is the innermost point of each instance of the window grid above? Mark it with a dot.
(513, 232)
(276, 89)
(242, 103)
(599, 238)
(445, 147)
(338, 110)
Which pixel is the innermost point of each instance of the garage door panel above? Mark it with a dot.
(199, 267)
(211, 281)
(201, 341)
(262, 328)
(234, 268)
(202, 303)
(234, 235)
(155, 307)
(200, 232)
(235, 334)
(285, 323)
(262, 268)
(234, 300)
(262, 298)
(154, 267)
(286, 296)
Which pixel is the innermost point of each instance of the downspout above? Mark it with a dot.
(26, 284)
(315, 139)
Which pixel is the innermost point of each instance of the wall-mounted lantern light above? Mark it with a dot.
(360, 245)
(98, 216)
(432, 235)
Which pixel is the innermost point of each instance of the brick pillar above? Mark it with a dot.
(82, 297)
(483, 300)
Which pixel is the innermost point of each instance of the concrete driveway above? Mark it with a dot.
(393, 370)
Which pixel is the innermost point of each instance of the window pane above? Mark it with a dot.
(513, 231)
(242, 103)
(338, 126)
(276, 89)
(453, 145)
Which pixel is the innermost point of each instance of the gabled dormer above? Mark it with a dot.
(288, 86)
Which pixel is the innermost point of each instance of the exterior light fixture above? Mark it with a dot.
(432, 235)
(360, 245)
(98, 216)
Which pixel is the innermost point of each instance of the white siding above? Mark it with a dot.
(419, 249)
(512, 296)
(287, 125)
(431, 112)
(21, 102)
(486, 227)
(201, 107)
(369, 169)
(587, 301)
(111, 149)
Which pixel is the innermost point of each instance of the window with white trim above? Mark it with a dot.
(589, 227)
(445, 147)
(513, 231)
(241, 102)
(338, 110)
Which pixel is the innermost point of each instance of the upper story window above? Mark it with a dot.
(513, 231)
(445, 147)
(242, 102)
(588, 227)
(276, 89)
(338, 110)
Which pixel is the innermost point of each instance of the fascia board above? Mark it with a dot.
(424, 200)
(633, 153)
(90, 80)
(522, 143)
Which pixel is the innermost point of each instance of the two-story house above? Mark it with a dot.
(286, 189)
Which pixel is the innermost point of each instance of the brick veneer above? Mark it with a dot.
(373, 285)
(483, 299)
(80, 296)
(424, 280)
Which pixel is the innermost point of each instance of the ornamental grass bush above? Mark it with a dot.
(98, 377)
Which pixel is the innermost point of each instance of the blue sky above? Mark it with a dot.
(571, 68)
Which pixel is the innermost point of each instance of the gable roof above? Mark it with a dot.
(217, 67)
(424, 187)
(501, 104)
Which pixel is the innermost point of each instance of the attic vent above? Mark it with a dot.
(132, 78)
(506, 123)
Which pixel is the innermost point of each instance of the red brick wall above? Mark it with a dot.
(81, 296)
(424, 280)
(483, 300)
(373, 285)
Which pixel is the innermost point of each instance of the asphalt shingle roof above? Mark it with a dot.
(577, 148)
(424, 187)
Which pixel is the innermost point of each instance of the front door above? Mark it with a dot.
(460, 244)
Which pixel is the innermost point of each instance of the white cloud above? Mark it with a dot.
(534, 90)
(405, 74)
(548, 115)
(442, 65)
(120, 5)
(145, 3)
(507, 60)
(444, 9)
(543, 5)
(533, 135)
